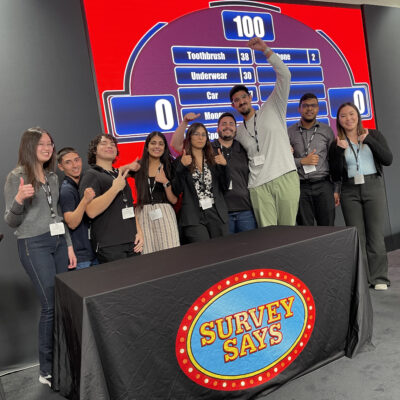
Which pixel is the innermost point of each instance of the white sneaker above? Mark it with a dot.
(46, 380)
(380, 286)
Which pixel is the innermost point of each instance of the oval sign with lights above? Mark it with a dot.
(245, 330)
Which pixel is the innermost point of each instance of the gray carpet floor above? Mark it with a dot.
(369, 376)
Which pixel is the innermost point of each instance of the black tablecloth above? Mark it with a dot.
(116, 324)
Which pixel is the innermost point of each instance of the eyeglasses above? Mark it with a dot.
(238, 98)
(305, 105)
(46, 145)
(198, 134)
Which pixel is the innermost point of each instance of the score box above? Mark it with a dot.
(357, 95)
(245, 25)
(211, 55)
(209, 95)
(292, 56)
(137, 116)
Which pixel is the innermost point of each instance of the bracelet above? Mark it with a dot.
(167, 184)
(268, 49)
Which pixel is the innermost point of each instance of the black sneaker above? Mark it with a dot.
(46, 379)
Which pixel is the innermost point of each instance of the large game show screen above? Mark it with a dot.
(155, 61)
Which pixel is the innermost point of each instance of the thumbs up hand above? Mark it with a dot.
(186, 159)
(311, 159)
(219, 158)
(24, 191)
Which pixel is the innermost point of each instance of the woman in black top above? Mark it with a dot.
(202, 177)
(154, 211)
(356, 160)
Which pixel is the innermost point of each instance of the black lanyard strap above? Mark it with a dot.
(356, 155)
(307, 145)
(255, 137)
(114, 173)
(49, 197)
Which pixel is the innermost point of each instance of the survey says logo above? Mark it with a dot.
(245, 330)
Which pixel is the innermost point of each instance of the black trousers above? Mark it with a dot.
(112, 253)
(364, 207)
(210, 226)
(316, 203)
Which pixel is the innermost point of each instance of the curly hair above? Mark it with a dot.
(207, 149)
(93, 147)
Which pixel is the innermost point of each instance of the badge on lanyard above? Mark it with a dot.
(127, 213)
(259, 160)
(57, 228)
(230, 185)
(206, 203)
(155, 214)
(359, 179)
(309, 168)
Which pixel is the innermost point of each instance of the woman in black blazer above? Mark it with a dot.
(356, 160)
(202, 178)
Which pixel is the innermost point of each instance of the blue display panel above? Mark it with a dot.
(292, 56)
(210, 75)
(357, 95)
(245, 25)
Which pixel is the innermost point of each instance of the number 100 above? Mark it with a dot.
(248, 27)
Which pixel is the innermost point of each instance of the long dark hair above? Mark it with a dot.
(207, 149)
(141, 177)
(340, 130)
(27, 154)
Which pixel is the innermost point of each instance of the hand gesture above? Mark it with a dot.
(342, 143)
(186, 159)
(160, 175)
(134, 165)
(119, 182)
(257, 44)
(311, 159)
(363, 136)
(24, 191)
(190, 117)
(219, 158)
(89, 194)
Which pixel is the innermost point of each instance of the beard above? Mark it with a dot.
(308, 120)
(226, 135)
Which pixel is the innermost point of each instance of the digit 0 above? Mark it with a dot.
(359, 101)
(164, 114)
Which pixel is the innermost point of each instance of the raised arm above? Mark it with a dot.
(179, 134)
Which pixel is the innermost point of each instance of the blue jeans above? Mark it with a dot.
(43, 257)
(85, 264)
(240, 221)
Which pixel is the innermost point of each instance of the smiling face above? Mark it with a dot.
(227, 128)
(348, 118)
(106, 150)
(198, 138)
(309, 110)
(44, 149)
(71, 165)
(156, 147)
(241, 102)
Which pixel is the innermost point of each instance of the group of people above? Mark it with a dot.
(254, 175)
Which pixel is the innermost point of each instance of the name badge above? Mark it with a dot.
(88, 233)
(230, 185)
(206, 203)
(127, 213)
(259, 160)
(155, 214)
(57, 228)
(309, 168)
(359, 179)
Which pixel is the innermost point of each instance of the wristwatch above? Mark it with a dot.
(168, 184)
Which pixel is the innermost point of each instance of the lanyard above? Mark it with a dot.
(255, 137)
(151, 187)
(307, 145)
(112, 174)
(355, 154)
(49, 197)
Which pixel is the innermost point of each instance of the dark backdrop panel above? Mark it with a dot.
(382, 29)
(45, 80)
